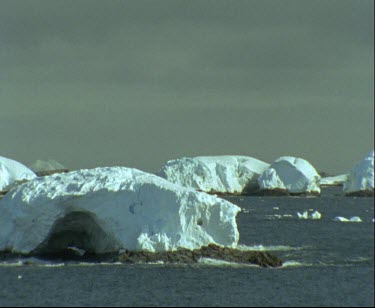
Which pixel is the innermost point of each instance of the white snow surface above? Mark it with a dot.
(222, 174)
(292, 174)
(11, 171)
(333, 180)
(134, 210)
(361, 177)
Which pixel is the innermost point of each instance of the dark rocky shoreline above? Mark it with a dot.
(182, 256)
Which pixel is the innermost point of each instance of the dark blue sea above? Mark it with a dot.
(326, 263)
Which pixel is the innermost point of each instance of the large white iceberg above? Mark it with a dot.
(12, 171)
(361, 177)
(292, 175)
(107, 209)
(215, 174)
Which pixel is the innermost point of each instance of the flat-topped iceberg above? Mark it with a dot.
(215, 174)
(290, 175)
(108, 209)
(12, 171)
(360, 180)
(337, 180)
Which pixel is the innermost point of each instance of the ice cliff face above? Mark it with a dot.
(106, 209)
(216, 174)
(11, 171)
(291, 174)
(361, 177)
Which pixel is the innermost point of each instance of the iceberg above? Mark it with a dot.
(12, 171)
(109, 209)
(215, 174)
(360, 180)
(337, 180)
(290, 175)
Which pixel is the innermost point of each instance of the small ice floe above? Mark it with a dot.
(305, 215)
(342, 219)
(352, 219)
(316, 215)
(276, 208)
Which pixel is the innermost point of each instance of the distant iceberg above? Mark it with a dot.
(108, 209)
(12, 171)
(337, 180)
(46, 165)
(290, 175)
(215, 174)
(360, 180)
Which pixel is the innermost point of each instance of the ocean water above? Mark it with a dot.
(326, 263)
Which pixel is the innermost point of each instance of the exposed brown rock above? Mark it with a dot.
(212, 251)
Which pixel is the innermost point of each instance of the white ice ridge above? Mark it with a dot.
(295, 175)
(221, 174)
(117, 208)
(333, 180)
(361, 177)
(12, 171)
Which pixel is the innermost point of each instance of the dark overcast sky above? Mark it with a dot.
(136, 83)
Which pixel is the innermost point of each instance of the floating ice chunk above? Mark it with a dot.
(304, 215)
(352, 219)
(340, 218)
(316, 215)
(355, 219)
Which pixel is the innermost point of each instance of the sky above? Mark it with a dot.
(136, 83)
